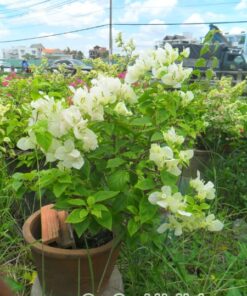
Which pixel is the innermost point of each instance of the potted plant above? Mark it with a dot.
(116, 152)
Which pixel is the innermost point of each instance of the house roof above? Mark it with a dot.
(37, 45)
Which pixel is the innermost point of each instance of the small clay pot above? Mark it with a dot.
(66, 272)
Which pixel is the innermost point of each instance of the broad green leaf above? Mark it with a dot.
(204, 49)
(104, 195)
(142, 121)
(167, 178)
(44, 139)
(83, 213)
(145, 184)
(75, 217)
(115, 162)
(133, 210)
(132, 227)
(161, 116)
(105, 220)
(81, 227)
(76, 202)
(147, 211)
(201, 62)
(118, 181)
(91, 200)
(157, 136)
(58, 189)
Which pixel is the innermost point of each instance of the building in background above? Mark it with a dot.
(39, 47)
(185, 38)
(55, 54)
(98, 52)
(20, 52)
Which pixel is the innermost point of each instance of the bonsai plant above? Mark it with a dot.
(114, 155)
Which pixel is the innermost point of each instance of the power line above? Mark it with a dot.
(52, 7)
(123, 24)
(25, 7)
(179, 24)
(56, 34)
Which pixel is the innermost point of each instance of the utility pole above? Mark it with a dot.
(110, 33)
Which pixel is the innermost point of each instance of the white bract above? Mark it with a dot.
(187, 97)
(204, 190)
(172, 138)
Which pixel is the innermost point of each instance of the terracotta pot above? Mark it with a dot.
(59, 269)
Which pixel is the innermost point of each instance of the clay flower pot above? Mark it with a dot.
(65, 272)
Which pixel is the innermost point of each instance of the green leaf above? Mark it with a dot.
(204, 49)
(76, 202)
(105, 220)
(147, 211)
(58, 189)
(81, 227)
(118, 181)
(145, 184)
(83, 213)
(97, 209)
(157, 136)
(161, 116)
(167, 178)
(204, 206)
(90, 200)
(133, 210)
(104, 195)
(16, 185)
(201, 62)
(145, 120)
(132, 227)
(115, 162)
(76, 217)
(44, 139)
(209, 73)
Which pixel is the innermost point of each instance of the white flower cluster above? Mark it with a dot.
(162, 63)
(180, 217)
(105, 91)
(68, 129)
(165, 156)
(71, 137)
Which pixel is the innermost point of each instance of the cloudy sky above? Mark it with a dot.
(31, 18)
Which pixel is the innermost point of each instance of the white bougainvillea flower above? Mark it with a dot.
(175, 75)
(25, 144)
(173, 167)
(57, 126)
(89, 139)
(69, 156)
(172, 202)
(159, 155)
(213, 224)
(186, 155)
(122, 109)
(172, 138)
(127, 94)
(50, 154)
(79, 129)
(204, 191)
(71, 115)
(186, 97)
(172, 225)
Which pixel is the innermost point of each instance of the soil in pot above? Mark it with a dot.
(65, 272)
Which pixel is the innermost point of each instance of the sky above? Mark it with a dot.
(33, 18)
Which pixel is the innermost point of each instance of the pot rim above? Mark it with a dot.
(56, 251)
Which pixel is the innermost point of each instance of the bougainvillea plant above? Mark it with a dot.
(114, 153)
